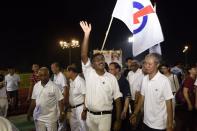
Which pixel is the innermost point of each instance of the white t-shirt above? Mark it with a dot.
(135, 81)
(60, 80)
(174, 82)
(77, 91)
(12, 82)
(100, 90)
(47, 99)
(156, 91)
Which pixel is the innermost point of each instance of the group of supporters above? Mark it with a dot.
(140, 97)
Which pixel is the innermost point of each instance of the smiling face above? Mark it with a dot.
(98, 62)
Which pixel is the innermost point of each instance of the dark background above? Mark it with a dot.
(30, 31)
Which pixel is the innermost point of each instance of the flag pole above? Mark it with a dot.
(107, 33)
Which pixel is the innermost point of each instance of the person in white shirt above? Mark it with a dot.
(165, 69)
(3, 96)
(76, 99)
(156, 96)
(12, 81)
(101, 88)
(46, 98)
(135, 77)
(6, 125)
(58, 76)
(60, 80)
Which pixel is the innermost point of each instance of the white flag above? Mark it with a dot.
(155, 49)
(141, 19)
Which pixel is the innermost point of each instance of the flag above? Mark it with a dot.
(155, 49)
(141, 19)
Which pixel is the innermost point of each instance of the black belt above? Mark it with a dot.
(100, 113)
(77, 105)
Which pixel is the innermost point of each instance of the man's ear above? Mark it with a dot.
(158, 65)
(92, 65)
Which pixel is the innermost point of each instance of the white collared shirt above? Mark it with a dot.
(100, 90)
(174, 82)
(77, 91)
(60, 80)
(135, 81)
(47, 99)
(12, 82)
(156, 91)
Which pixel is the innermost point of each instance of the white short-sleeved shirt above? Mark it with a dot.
(77, 91)
(100, 90)
(195, 83)
(60, 80)
(135, 81)
(156, 91)
(174, 82)
(12, 82)
(47, 99)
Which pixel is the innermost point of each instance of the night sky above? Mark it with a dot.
(30, 31)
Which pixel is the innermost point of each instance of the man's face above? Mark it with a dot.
(43, 75)
(164, 69)
(35, 68)
(129, 63)
(11, 71)
(150, 65)
(54, 69)
(112, 69)
(193, 71)
(99, 62)
(134, 66)
(68, 74)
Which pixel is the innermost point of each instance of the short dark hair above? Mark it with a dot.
(116, 65)
(73, 68)
(56, 64)
(189, 67)
(95, 55)
(129, 58)
(164, 64)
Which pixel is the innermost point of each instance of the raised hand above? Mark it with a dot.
(86, 27)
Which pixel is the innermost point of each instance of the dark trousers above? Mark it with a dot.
(186, 120)
(13, 96)
(146, 128)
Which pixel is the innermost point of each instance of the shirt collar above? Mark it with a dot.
(76, 79)
(48, 83)
(156, 76)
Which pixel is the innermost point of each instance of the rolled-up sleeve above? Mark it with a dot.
(116, 91)
(86, 68)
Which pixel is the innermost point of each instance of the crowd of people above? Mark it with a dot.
(141, 97)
